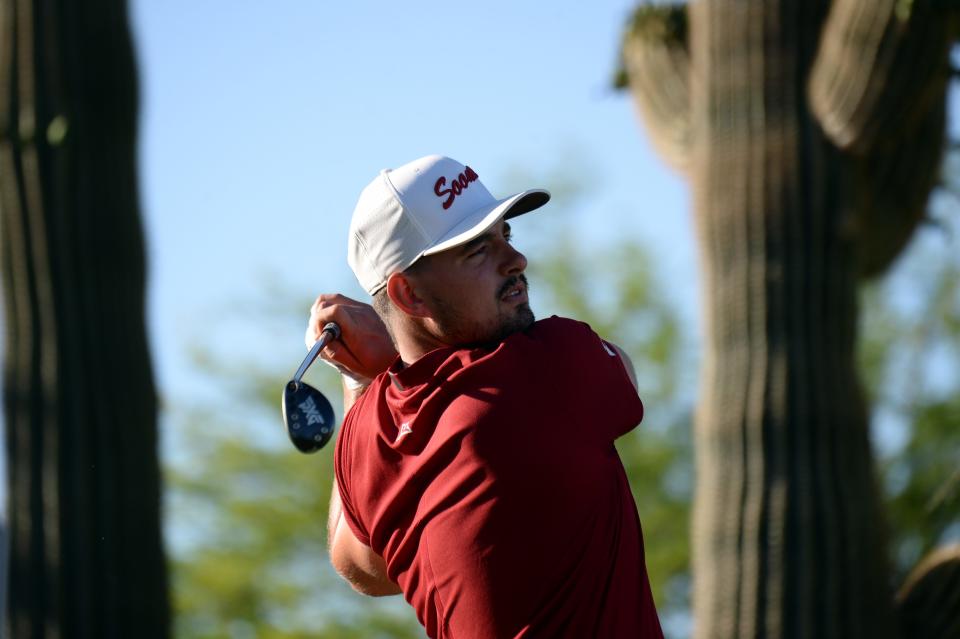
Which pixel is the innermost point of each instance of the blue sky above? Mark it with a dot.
(261, 123)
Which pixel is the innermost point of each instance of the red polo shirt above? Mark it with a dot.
(488, 481)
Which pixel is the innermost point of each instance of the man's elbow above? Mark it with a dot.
(353, 560)
(365, 583)
(375, 588)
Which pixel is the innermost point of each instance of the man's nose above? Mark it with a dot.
(514, 262)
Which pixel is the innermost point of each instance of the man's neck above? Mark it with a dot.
(414, 340)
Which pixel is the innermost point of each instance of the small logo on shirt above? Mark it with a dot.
(610, 351)
(404, 431)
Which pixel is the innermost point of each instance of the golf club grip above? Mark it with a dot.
(330, 332)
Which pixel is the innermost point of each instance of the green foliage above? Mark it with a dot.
(909, 354)
(925, 493)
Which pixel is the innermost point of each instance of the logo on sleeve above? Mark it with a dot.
(610, 351)
(457, 186)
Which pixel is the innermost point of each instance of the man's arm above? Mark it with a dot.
(363, 351)
(356, 562)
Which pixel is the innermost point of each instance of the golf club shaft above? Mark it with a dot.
(329, 333)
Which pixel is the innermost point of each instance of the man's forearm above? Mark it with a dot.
(334, 516)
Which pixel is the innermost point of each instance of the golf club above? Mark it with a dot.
(306, 412)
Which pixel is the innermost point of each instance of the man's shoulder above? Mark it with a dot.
(554, 335)
(556, 325)
(575, 338)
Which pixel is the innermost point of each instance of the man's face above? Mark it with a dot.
(476, 292)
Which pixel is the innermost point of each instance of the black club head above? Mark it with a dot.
(308, 416)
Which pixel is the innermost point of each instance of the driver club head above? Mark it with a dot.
(306, 412)
(308, 416)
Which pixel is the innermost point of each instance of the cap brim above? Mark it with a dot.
(479, 221)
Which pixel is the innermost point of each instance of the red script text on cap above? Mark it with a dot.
(456, 187)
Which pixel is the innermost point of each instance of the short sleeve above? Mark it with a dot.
(595, 370)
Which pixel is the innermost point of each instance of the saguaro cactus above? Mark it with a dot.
(811, 131)
(83, 507)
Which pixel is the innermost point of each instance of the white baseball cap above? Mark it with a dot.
(421, 208)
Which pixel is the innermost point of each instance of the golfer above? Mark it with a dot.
(475, 468)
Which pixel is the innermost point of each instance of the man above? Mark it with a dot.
(475, 469)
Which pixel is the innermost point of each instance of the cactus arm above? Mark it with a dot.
(656, 68)
(893, 186)
(880, 67)
(929, 600)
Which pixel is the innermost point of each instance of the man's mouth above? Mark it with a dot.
(515, 290)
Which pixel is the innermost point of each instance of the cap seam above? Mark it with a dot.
(403, 206)
(366, 255)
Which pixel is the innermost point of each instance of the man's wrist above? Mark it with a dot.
(351, 381)
(354, 383)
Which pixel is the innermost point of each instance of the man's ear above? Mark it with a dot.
(403, 293)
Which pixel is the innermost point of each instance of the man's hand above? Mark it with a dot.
(364, 348)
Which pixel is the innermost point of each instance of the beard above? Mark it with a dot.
(462, 330)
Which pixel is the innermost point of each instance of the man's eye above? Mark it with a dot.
(479, 251)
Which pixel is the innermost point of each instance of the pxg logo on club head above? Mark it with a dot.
(308, 415)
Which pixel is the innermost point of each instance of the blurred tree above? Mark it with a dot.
(812, 134)
(909, 351)
(86, 557)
